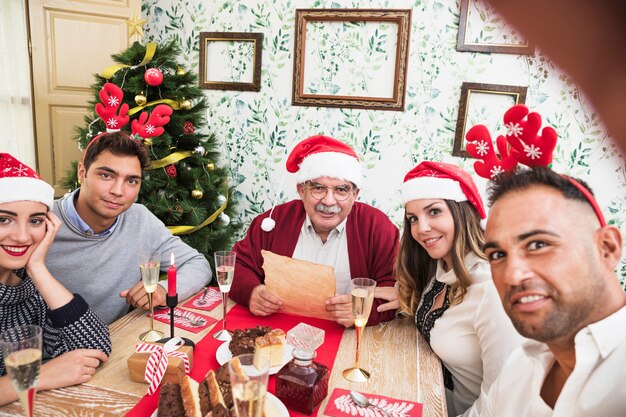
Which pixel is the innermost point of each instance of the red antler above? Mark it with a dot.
(110, 111)
(528, 147)
(479, 145)
(152, 127)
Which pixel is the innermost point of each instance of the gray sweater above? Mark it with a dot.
(99, 267)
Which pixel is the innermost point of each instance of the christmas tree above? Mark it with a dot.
(184, 185)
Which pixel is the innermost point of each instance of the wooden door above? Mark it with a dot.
(71, 41)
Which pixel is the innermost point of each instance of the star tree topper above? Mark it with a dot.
(135, 26)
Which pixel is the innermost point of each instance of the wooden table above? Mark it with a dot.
(400, 362)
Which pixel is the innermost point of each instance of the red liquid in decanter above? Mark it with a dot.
(303, 384)
(302, 387)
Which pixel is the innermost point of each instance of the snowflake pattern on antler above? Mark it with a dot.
(528, 146)
(114, 115)
(148, 126)
(513, 129)
(479, 145)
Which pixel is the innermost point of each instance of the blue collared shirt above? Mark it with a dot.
(72, 214)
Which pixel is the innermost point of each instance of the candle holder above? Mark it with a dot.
(172, 302)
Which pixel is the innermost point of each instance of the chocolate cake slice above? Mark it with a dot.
(170, 401)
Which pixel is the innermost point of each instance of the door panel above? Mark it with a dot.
(71, 41)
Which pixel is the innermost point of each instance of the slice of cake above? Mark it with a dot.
(277, 350)
(170, 401)
(262, 352)
(216, 399)
(191, 399)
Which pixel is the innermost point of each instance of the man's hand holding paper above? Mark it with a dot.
(303, 287)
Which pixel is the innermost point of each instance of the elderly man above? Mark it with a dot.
(552, 260)
(326, 226)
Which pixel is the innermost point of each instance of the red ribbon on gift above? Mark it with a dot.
(157, 362)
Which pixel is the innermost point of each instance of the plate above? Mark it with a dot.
(271, 401)
(223, 355)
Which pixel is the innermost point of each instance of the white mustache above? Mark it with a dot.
(327, 209)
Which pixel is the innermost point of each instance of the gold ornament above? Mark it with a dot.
(140, 99)
(147, 142)
(185, 104)
(197, 194)
(180, 71)
(210, 166)
(135, 26)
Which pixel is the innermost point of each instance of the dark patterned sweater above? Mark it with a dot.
(72, 326)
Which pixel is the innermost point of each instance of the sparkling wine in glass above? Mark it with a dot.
(225, 268)
(362, 292)
(21, 350)
(150, 267)
(248, 381)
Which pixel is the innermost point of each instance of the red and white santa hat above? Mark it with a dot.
(323, 156)
(18, 182)
(430, 180)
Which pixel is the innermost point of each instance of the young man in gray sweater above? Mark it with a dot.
(96, 253)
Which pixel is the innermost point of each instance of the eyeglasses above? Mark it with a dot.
(318, 191)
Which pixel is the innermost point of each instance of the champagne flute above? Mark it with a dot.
(225, 267)
(21, 350)
(362, 291)
(150, 267)
(248, 380)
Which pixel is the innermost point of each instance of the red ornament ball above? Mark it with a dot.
(188, 128)
(153, 77)
(171, 171)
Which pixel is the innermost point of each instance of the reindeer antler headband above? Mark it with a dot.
(114, 113)
(522, 144)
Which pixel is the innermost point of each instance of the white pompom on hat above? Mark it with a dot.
(439, 180)
(322, 156)
(19, 182)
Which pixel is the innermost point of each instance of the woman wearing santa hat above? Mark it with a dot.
(72, 334)
(444, 282)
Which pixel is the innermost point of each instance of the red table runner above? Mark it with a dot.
(240, 318)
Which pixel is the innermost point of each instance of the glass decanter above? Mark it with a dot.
(303, 384)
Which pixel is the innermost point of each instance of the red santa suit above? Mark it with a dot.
(372, 245)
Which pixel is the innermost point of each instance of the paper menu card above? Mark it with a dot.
(302, 286)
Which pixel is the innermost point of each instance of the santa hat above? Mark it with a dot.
(320, 156)
(431, 180)
(18, 182)
(323, 156)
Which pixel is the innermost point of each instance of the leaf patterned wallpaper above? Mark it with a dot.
(257, 129)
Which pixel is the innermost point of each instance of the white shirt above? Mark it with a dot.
(474, 338)
(595, 388)
(333, 252)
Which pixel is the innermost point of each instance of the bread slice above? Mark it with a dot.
(191, 399)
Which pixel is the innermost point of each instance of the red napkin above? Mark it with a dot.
(341, 405)
(206, 302)
(184, 319)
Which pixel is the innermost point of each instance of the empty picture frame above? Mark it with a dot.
(484, 104)
(481, 29)
(230, 60)
(354, 58)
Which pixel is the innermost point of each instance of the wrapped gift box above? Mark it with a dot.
(175, 366)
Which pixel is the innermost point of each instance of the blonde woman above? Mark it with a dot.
(444, 282)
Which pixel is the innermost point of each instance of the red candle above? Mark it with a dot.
(171, 277)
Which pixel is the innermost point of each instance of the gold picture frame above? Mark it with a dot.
(483, 104)
(230, 61)
(361, 35)
(472, 28)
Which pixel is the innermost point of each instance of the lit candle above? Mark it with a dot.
(171, 277)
